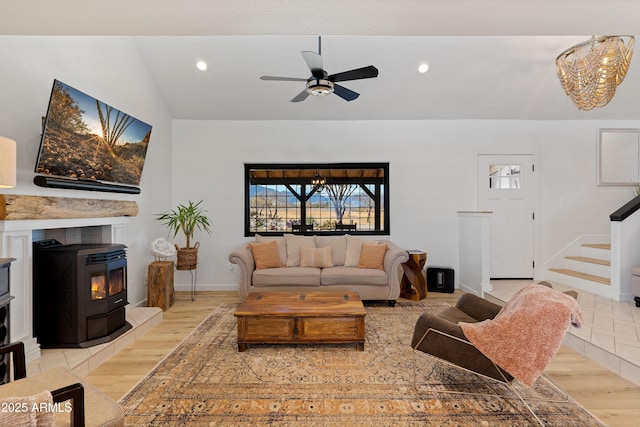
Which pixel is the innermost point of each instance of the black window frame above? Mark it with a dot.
(382, 210)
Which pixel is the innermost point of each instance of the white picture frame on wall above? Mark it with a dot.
(618, 157)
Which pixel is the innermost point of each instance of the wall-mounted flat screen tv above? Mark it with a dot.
(85, 139)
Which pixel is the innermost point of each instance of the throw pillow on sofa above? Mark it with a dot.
(294, 243)
(372, 256)
(338, 246)
(316, 257)
(282, 246)
(354, 249)
(265, 255)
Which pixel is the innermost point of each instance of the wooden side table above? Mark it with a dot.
(413, 285)
(160, 290)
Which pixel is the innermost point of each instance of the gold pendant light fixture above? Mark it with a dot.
(590, 71)
(318, 181)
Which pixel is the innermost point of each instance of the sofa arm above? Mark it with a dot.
(392, 264)
(243, 257)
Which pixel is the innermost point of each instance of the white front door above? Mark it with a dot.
(506, 186)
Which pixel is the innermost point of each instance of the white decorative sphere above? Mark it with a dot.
(162, 248)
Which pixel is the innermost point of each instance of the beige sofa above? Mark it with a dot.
(301, 264)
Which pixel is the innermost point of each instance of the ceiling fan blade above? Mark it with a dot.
(358, 73)
(301, 96)
(344, 93)
(283, 79)
(314, 61)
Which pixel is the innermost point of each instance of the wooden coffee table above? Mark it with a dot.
(295, 317)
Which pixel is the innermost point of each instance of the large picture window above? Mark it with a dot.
(323, 198)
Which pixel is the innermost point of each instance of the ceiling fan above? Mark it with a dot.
(321, 83)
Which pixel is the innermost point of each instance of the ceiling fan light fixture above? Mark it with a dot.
(319, 87)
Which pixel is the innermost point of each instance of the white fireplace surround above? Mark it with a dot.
(16, 241)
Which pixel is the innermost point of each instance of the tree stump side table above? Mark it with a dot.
(160, 290)
(413, 285)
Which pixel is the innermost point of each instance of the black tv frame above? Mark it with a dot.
(59, 181)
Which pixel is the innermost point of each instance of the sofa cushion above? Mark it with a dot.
(353, 276)
(297, 276)
(282, 246)
(265, 255)
(294, 243)
(338, 246)
(316, 257)
(372, 256)
(354, 249)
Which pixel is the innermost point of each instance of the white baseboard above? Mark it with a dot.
(205, 287)
(142, 303)
(468, 289)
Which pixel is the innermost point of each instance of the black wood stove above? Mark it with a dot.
(79, 293)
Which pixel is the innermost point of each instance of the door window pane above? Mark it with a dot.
(504, 177)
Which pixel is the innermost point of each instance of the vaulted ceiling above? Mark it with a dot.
(491, 59)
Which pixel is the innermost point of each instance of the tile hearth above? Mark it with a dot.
(83, 360)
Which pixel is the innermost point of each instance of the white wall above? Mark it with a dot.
(111, 70)
(432, 176)
(432, 163)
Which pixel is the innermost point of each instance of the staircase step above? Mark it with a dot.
(590, 260)
(591, 277)
(605, 246)
(586, 264)
(595, 250)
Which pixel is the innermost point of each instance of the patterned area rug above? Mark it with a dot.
(207, 382)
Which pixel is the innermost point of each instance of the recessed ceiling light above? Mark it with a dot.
(202, 65)
(423, 67)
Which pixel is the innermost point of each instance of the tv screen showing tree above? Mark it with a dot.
(84, 138)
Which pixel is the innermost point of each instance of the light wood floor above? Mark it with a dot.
(612, 399)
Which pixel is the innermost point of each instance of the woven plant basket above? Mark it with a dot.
(187, 257)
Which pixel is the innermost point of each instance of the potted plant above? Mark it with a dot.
(186, 218)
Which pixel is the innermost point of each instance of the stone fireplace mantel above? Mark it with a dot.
(45, 221)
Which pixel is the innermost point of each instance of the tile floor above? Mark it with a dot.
(610, 334)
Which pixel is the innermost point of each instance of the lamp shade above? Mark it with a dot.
(7, 162)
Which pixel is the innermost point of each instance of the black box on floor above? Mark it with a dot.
(440, 279)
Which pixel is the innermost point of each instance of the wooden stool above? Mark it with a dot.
(160, 290)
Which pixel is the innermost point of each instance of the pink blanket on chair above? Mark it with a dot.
(527, 332)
